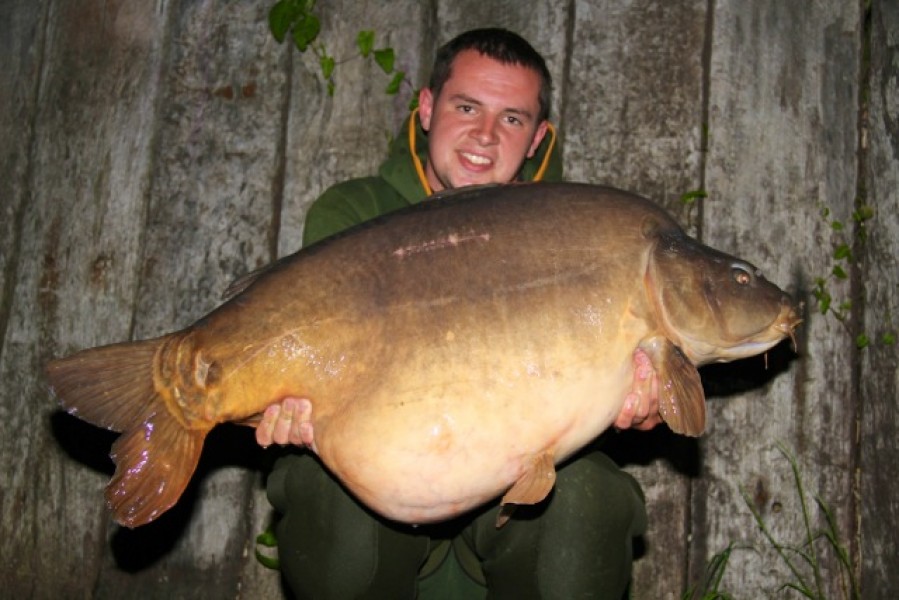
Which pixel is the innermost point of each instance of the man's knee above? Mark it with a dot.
(330, 546)
(596, 491)
(578, 543)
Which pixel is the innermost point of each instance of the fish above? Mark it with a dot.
(454, 353)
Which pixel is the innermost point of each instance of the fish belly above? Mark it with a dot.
(423, 454)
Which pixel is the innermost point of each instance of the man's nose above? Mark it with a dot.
(485, 132)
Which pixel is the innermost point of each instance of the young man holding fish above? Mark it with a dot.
(482, 120)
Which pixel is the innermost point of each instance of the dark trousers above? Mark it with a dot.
(575, 544)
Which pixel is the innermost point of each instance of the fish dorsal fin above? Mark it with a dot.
(681, 399)
(243, 282)
(240, 284)
(532, 487)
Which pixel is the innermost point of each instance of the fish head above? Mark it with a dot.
(713, 306)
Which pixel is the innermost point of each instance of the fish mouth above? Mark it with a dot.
(783, 326)
(787, 322)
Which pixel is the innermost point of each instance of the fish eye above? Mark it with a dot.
(741, 275)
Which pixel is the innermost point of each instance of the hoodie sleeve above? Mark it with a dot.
(348, 204)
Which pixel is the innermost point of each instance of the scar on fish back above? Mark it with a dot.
(451, 241)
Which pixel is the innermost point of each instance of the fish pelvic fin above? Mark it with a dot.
(156, 455)
(532, 487)
(681, 398)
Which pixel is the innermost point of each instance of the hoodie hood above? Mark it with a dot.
(404, 167)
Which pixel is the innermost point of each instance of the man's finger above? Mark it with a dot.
(265, 429)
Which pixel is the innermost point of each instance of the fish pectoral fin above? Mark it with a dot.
(532, 487)
(681, 398)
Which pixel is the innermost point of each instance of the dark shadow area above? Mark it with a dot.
(83, 442)
(137, 549)
(729, 379)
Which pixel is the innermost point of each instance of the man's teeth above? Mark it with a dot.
(478, 160)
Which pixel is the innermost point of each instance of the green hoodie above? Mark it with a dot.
(401, 182)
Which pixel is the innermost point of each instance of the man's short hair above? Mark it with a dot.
(501, 45)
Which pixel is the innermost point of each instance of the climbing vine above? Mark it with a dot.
(297, 19)
(841, 257)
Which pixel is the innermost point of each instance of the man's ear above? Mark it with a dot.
(425, 108)
(539, 134)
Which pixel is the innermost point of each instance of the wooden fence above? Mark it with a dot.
(152, 152)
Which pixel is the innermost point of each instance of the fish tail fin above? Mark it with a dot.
(154, 463)
(156, 455)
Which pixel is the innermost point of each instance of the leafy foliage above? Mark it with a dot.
(297, 19)
(842, 258)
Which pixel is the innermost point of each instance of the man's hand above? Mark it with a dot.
(641, 406)
(289, 422)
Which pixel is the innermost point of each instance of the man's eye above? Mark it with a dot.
(513, 121)
(465, 108)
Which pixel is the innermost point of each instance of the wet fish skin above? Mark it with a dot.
(453, 353)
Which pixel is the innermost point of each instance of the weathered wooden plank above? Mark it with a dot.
(782, 149)
(87, 179)
(210, 219)
(21, 45)
(879, 280)
(633, 110)
(631, 117)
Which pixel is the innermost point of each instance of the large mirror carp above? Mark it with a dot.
(453, 353)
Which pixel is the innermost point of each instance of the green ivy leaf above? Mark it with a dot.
(863, 213)
(824, 300)
(385, 58)
(839, 273)
(842, 251)
(394, 86)
(267, 561)
(862, 341)
(327, 65)
(692, 196)
(267, 538)
(836, 226)
(330, 87)
(889, 338)
(280, 18)
(365, 41)
(305, 31)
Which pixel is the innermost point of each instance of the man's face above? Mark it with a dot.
(483, 124)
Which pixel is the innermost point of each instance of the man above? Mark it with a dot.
(483, 119)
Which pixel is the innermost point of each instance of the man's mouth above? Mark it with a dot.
(476, 159)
